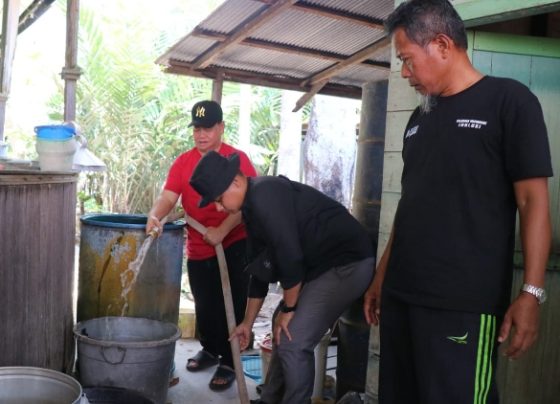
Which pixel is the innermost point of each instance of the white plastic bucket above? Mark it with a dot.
(56, 155)
(30, 385)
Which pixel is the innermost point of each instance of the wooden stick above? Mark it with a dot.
(230, 315)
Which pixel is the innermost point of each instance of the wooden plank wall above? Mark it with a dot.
(37, 231)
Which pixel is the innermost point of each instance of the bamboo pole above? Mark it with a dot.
(230, 315)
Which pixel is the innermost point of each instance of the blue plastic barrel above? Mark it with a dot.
(108, 244)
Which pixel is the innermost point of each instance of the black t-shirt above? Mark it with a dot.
(302, 231)
(455, 222)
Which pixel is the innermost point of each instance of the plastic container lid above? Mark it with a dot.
(54, 132)
(124, 221)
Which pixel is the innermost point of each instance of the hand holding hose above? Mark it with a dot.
(154, 226)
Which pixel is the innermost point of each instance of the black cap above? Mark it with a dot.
(212, 175)
(206, 114)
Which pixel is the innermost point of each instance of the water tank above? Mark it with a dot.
(108, 244)
(37, 249)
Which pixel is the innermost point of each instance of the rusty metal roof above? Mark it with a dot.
(327, 46)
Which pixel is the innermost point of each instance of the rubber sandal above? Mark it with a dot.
(202, 360)
(225, 373)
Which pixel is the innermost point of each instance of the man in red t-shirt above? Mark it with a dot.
(202, 264)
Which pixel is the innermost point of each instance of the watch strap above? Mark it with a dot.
(287, 309)
(539, 293)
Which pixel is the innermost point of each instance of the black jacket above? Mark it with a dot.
(300, 231)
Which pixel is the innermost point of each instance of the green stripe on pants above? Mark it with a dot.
(483, 375)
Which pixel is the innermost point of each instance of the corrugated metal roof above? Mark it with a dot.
(369, 8)
(330, 46)
(275, 63)
(298, 28)
(190, 48)
(227, 17)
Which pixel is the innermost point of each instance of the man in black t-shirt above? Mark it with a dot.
(311, 244)
(475, 152)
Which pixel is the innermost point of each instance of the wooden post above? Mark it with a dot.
(71, 72)
(244, 128)
(366, 204)
(217, 88)
(9, 36)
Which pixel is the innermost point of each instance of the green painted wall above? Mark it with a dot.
(541, 73)
(479, 12)
(529, 61)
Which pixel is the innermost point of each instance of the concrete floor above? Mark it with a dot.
(193, 386)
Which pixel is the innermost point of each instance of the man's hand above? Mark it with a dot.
(281, 324)
(243, 332)
(214, 236)
(523, 318)
(372, 299)
(162, 206)
(154, 226)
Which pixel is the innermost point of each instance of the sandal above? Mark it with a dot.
(223, 373)
(202, 360)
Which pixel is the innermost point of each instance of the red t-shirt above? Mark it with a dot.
(178, 182)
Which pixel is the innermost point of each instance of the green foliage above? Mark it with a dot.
(265, 128)
(135, 117)
(132, 114)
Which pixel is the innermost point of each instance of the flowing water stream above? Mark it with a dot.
(128, 277)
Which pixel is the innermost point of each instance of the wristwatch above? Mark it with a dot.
(287, 309)
(539, 293)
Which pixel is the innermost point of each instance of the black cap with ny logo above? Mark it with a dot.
(206, 114)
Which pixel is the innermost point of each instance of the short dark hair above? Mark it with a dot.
(422, 20)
